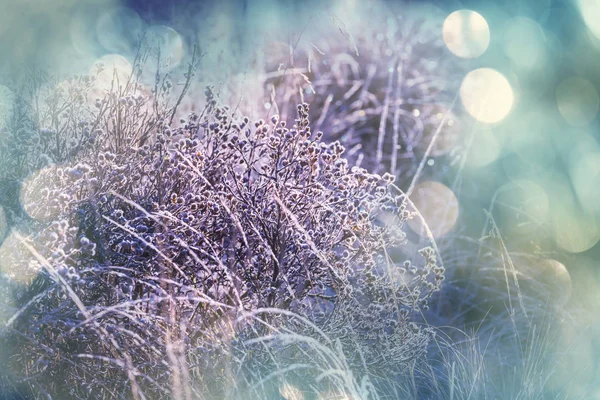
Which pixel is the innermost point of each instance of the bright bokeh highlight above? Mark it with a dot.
(16, 261)
(34, 196)
(590, 11)
(486, 95)
(111, 69)
(290, 392)
(575, 232)
(438, 205)
(555, 277)
(466, 33)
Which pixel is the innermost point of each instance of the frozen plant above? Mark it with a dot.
(383, 90)
(160, 248)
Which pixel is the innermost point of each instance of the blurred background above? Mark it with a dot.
(522, 88)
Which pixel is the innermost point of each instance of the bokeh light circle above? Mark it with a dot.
(585, 177)
(118, 29)
(438, 206)
(109, 68)
(575, 232)
(35, 194)
(524, 42)
(466, 33)
(169, 42)
(16, 261)
(487, 95)
(555, 278)
(83, 38)
(290, 392)
(572, 229)
(577, 100)
(544, 279)
(590, 11)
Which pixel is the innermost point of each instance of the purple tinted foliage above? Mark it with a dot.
(386, 102)
(156, 235)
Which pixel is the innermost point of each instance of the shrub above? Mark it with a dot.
(168, 252)
(383, 89)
